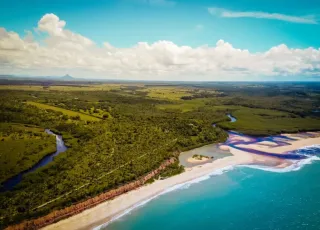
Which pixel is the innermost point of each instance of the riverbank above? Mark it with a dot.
(108, 210)
(47, 157)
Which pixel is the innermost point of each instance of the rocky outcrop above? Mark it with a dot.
(77, 208)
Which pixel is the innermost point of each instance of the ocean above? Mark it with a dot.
(241, 198)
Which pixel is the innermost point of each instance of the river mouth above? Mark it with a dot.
(10, 183)
(212, 151)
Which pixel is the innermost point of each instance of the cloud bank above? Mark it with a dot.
(275, 16)
(63, 51)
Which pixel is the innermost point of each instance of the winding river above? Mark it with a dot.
(234, 142)
(13, 181)
(233, 119)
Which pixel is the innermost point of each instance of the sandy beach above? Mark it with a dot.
(102, 213)
(106, 211)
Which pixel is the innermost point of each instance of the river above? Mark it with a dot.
(233, 119)
(13, 181)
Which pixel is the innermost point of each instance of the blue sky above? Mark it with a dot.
(125, 22)
(249, 24)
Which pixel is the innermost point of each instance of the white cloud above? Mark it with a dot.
(256, 14)
(63, 51)
(51, 24)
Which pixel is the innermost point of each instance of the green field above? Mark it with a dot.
(165, 92)
(183, 106)
(69, 113)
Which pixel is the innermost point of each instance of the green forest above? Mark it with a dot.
(116, 133)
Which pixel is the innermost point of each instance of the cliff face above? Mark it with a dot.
(77, 208)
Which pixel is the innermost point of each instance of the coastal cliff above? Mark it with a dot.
(77, 208)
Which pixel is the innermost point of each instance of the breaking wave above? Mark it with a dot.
(311, 152)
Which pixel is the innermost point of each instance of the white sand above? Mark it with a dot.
(102, 213)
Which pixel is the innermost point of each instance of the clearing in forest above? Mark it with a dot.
(70, 113)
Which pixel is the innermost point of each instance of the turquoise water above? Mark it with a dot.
(242, 198)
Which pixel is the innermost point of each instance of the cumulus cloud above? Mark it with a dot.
(63, 51)
(310, 19)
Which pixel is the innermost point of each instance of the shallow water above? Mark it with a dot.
(242, 198)
(207, 150)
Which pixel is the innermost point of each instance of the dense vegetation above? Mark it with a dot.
(117, 133)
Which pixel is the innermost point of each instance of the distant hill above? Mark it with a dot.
(67, 78)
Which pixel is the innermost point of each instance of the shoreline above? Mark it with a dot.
(106, 211)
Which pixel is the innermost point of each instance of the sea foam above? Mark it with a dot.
(310, 151)
(295, 166)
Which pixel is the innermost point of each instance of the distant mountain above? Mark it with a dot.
(67, 78)
(40, 78)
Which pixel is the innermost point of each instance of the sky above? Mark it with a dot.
(185, 40)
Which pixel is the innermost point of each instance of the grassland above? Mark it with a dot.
(167, 92)
(69, 113)
(22, 87)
